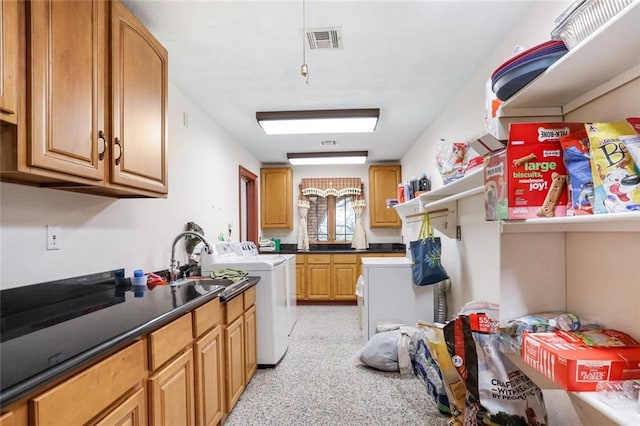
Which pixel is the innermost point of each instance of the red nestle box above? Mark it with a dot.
(577, 367)
(529, 179)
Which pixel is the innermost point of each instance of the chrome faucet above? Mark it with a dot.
(174, 267)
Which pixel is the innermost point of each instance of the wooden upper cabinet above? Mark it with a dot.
(68, 105)
(9, 61)
(276, 198)
(383, 184)
(139, 67)
(96, 90)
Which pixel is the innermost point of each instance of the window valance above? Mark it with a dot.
(324, 187)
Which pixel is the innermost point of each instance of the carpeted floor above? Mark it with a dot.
(320, 383)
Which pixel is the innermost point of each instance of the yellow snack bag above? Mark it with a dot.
(616, 184)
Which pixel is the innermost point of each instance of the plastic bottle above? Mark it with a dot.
(425, 185)
(566, 322)
(571, 322)
(407, 191)
(400, 193)
(139, 283)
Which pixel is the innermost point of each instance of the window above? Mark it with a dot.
(331, 219)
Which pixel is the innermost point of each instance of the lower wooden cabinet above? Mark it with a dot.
(7, 419)
(300, 277)
(344, 274)
(96, 390)
(208, 354)
(209, 368)
(250, 343)
(241, 346)
(318, 277)
(330, 277)
(234, 351)
(188, 372)
(171, 400)
(131, 411)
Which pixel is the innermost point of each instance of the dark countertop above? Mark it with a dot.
(50, 329)
(340, 249)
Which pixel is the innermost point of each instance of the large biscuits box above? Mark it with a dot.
(577, 367)
(528, 178)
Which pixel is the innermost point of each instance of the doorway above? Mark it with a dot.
(248, 203)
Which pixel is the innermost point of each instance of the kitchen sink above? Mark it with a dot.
(231, 289)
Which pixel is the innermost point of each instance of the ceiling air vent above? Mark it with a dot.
(325, 38)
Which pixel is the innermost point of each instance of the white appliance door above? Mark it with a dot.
(390, 295)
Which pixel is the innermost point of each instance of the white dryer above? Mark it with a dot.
(271, 295)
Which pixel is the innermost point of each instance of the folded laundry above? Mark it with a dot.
(231, 274)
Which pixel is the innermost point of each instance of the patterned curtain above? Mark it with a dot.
(331, 186)
(303, 235)
(359, 234)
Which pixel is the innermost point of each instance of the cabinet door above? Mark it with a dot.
(131, 411)
(383, 184)
(250, 343)
(9, 60)
(234, 351)
(318, 281)
(209, 375)
(300, 283)
(276, 200)
(67, 58)
(6, 419)
(139, 104)
(171, 393)
(343, 277)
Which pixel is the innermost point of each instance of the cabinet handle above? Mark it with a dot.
(102, 139)
(119, 156)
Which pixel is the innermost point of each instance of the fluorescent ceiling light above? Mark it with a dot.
(321, 121)
(327, 158)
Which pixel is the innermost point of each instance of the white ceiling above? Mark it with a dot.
(408, 58)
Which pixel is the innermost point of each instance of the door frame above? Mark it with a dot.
(251, 203)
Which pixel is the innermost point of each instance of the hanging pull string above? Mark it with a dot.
(304, 69)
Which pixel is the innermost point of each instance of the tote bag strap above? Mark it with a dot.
(426, 230)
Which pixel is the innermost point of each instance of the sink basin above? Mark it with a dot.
(231, 289)
(200, 281)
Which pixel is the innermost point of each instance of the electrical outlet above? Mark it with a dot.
(53, 237)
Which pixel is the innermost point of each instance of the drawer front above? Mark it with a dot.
(233, 309)
(318, 258)
(83, 396)
(249, 297)
(345, 258)
(170, 340)
(300, 259)
(206, 316)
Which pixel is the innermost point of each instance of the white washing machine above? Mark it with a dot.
(389, 295)
(271, 294)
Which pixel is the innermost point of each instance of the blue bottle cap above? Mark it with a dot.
(138, 273)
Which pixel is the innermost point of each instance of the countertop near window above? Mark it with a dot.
(339, 248)
(50, 329)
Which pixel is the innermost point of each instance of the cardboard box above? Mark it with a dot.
(530, 176)
(577, 367)
(499, 126)
(495, 186)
